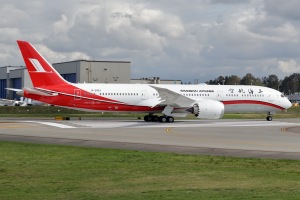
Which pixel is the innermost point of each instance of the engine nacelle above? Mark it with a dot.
(207, 109)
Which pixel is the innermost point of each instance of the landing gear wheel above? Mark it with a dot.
(154, 118)
(269, 118)
(162, 119)
(170, 119)
(147, 118)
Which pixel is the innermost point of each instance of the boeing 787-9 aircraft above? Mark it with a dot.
(204, 101)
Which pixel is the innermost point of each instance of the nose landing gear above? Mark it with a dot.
(269, 117)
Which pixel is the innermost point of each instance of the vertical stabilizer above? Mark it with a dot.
(40, 71)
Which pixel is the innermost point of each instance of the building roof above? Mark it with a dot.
(83, 60)
(11, 68)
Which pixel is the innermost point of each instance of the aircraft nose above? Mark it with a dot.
(288, 104)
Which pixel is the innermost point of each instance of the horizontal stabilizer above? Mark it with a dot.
(38, 92)
(14, 89)
(20, 92)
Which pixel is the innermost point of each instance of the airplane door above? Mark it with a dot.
(77, 94)
(144, 94)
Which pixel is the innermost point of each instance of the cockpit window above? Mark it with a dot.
(282, 96)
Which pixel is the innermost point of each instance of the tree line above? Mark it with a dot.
(288, 85)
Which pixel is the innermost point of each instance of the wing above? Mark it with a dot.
(172, 98)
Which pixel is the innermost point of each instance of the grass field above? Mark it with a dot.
(30, 171)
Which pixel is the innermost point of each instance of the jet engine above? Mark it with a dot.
(207, 109)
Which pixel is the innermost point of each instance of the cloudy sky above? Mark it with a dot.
(186, 40)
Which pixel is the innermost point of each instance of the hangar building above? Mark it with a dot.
(80, 71)
(13, 77)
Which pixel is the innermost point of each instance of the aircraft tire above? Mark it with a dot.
(147, 118)
(269, 118)
(154, 118)
(162, 119)
(170, 119)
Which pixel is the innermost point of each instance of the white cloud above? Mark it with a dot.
(54, 57)
(62, 25)
(203, 39)
(9, 34)
(289, 66)
(10, 16)
(280, 9)
(164, 24)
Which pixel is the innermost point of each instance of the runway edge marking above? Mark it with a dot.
(53, 124)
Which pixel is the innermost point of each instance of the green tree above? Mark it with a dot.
(249, 79)
(272, 81)
(217, 81)
(232, 80)
(291, 84)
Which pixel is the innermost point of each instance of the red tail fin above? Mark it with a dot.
(40, 71)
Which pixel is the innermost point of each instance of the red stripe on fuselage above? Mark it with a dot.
(252, 102)
(65, 97)
(93, 105)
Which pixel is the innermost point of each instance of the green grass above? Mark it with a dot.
(30, 171)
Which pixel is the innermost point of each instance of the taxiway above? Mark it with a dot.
(245, 138)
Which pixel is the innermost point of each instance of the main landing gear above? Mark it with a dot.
(155, 118)
(269, 117)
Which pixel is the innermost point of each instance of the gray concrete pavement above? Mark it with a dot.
(245, 138)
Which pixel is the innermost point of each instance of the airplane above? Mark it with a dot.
(9, 102)
(21, 102)
(204, 101)
(29, 102)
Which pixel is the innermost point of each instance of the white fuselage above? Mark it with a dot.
(236, 98)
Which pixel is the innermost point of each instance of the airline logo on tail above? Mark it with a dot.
(37, 65)
(41, 72)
